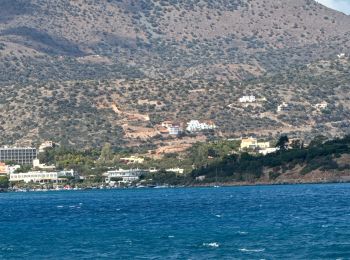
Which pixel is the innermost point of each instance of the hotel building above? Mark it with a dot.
(19, 155)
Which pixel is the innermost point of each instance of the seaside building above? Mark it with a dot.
(43, 176)
(8, 169)
(20, 155)
(3, 169)
(153, 170)
(38, 165)
(200, 178)
(12, 168)
(123, 176)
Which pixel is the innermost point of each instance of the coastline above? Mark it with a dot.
(242, 184)
(203, 185)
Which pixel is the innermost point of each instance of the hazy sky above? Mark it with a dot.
(340, 5)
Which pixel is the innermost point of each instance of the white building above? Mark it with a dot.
(253, 143)
(12, 168)
(125, 176)
(8, 169)
(322, 105)
(42, 176)
(38, 165)
(196, 126)
(266, 151)
(153, 170)
(247, 99)
(174, 130)
(45, 145)
(200, 178)
(133, 159)
(341, 55)
(282, 107)
(167, 124)
(175, 170)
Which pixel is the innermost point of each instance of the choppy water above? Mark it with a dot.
(267, 222)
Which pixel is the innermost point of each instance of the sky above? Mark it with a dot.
(340, 5)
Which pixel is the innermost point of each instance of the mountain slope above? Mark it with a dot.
(88, 113)
(192, 38)
(75, 71)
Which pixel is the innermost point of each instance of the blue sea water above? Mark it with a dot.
(264, 222)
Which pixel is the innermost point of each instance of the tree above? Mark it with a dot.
(318, 140)
(297, 144)
(4, 182)
(282, 143)
(106, 153)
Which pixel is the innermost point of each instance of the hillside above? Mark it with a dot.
(322, 162)
(87, 113)
(77, 71)
(87, 39)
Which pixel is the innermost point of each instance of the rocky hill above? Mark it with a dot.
(75, 70)
(80, 39)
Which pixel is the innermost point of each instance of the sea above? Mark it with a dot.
(255, 222)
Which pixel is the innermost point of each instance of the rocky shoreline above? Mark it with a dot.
(316, 177)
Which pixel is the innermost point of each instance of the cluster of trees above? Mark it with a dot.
(217, 161)
(319, 154)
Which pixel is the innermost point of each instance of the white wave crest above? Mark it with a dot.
(212, 244)
(252, 250)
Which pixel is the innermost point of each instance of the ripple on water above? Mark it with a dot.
(187, 224)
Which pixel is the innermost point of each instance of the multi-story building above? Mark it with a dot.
(20, 155)
(124, 176)
(42, 176)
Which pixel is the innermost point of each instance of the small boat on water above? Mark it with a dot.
(161, 187)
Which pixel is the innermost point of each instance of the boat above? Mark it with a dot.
(161, 186)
